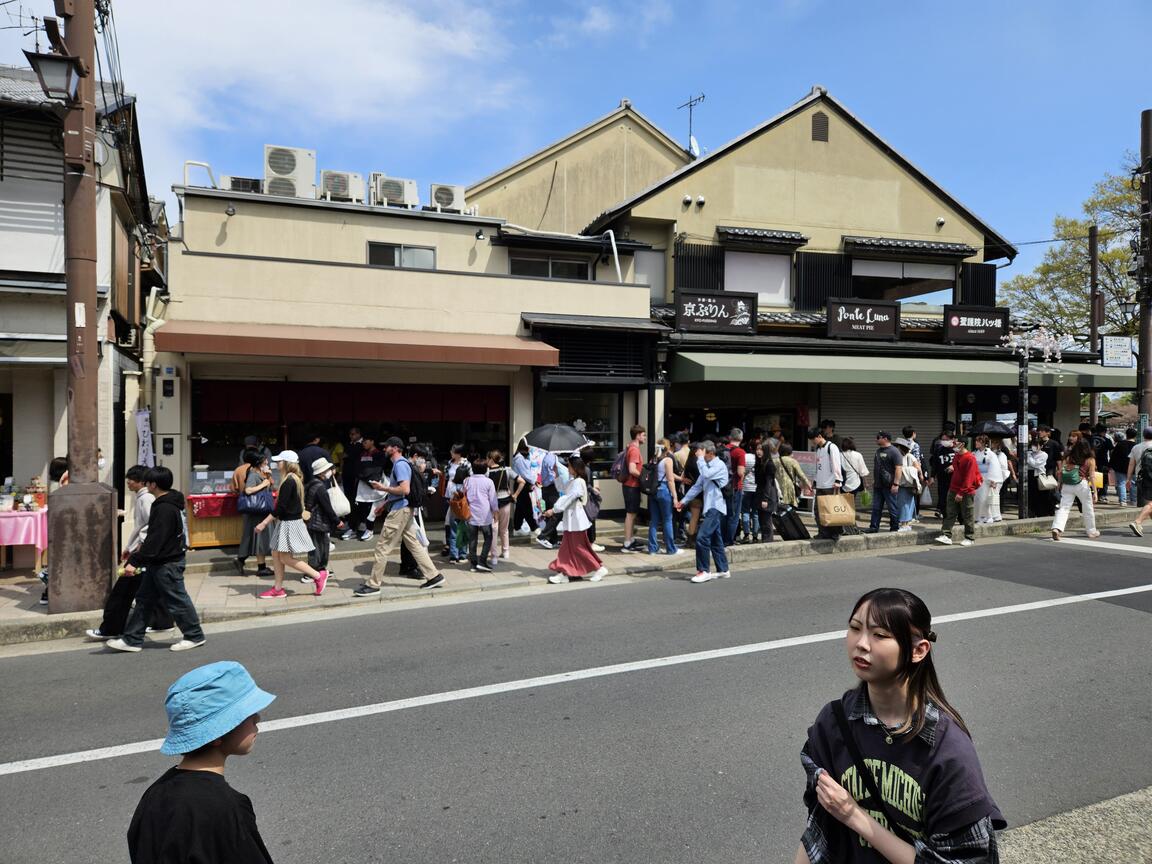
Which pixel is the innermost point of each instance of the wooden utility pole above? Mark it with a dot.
(1144, 271)
(1095, 315)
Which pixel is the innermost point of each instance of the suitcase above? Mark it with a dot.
(788, 525)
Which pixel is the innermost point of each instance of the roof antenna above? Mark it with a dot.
(692, 102)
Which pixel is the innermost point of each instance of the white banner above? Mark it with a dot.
(144, 453)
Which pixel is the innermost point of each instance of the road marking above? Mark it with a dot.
(1107, 547)
(548, 680)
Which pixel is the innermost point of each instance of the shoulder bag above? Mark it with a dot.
(339, 501)
(592, 505)
(258, 503)
(865, 774)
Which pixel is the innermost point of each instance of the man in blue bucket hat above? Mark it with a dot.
(191, 813)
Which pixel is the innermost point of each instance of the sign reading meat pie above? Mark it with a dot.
(729, 312)
(863, 319)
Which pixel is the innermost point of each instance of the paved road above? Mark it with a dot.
(690, 762)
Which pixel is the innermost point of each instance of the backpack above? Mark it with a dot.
(459, 505)
(1146, 464)
(649, 479)
(619, 469)
(417, 488)
(724, 454)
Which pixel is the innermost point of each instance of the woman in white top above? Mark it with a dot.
(576, 560)
(994, 472)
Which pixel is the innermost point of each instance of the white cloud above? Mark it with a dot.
(597, 21)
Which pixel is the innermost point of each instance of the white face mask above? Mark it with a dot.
(101, 463)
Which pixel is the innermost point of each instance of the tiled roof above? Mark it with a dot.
(20, 86)
(889, 243)
(761, 234)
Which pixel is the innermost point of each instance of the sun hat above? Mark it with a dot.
(321, 465)
(903, 442)
(286, 456)
(208, 703)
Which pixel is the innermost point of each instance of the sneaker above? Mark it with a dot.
(724, 574)
(596, 547)
(306, 579)
(945, 539)
(1135, 528)
(915, 521)
(348, 535)
(481, 568)
(1092, 535)
(120, 645)
(238, 563)
(159, 630)
(263, 570)
(507, 552)
(702, 576)
(272, 594)
(43, 575)
(321, 582)
(97, 636)
(595, 577)
(331, 546)
(1055, 534)
(186, 645)
(435, 582)
(904, 529)
(366, 534)
(543, 543)
(521, 532)
(558, 579)
(44, 598)
(628, 547)
(365, 590)
(679, 551)
(967, 542)
(535, 532)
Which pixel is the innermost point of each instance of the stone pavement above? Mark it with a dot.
(220, 594)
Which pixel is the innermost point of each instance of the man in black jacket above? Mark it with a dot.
(161, 561)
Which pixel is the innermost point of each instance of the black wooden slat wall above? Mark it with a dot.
(585, 353)
(978, 284)
(821, 275)
(699, 267)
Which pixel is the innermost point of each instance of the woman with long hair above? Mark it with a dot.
(290, 537)
(255, 477)
(662, 501)
(894, 747)
(767, 497)
(1076, 477)
(576, 559)
(522, 497)
(507, 485)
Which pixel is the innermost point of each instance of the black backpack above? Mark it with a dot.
(417, 488)
(1146, 465)
(648, 477)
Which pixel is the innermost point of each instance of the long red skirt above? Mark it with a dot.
(576, 557)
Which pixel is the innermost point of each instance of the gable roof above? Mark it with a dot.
(623, 111)
(995, 246)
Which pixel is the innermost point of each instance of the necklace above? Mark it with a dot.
(889, 731)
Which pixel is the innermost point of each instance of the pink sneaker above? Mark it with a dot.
(321, 582)
(272, 594)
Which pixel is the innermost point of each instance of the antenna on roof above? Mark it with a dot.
(692, 102)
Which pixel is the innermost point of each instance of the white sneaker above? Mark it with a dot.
(121, 645)
(596, 547)
(534, 533)
(162, 630)
(967, 542)
(96, 636)
(702, 576)
(945, 539)
(521, 532)
(904, 529)
(597, 576)
(186, 645)
(558, 579)
(724, 574)
(331, 546)
(543, 543)
(505, 554)
(367, 535)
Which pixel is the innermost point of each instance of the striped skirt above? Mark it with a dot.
(291, 536)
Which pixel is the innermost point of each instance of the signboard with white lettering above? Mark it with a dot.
(863, 319)
(975, 325)
(729, 312)
(1117, 351)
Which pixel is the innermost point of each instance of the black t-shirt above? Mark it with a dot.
(884, 465)
(943, 452)
(1102, 446)
(194, 817)
(1120, 454)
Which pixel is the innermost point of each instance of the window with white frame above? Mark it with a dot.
(399, 255)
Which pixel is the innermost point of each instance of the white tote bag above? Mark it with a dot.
(339, 501)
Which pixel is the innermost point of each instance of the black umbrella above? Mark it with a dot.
(556, 438)
(993, 429)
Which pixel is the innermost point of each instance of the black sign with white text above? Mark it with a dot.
(729, 312)
(975, 325)
(863, 319)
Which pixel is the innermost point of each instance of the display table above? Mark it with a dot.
(21, 528)
(213, 521)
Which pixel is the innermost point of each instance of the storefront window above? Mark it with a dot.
(597, 415)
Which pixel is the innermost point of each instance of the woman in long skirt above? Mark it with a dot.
(576, 559)
(290, 537)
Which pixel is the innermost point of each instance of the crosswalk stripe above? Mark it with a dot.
(1107, 547)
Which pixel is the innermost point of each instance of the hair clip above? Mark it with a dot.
(931, 637)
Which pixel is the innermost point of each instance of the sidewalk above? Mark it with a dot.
(220, 594)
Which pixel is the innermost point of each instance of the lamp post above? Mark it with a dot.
(1048, 345)
(80, 515)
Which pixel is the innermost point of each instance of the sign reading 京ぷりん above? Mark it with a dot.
(729, 312)
(975, 325)
(863, 319)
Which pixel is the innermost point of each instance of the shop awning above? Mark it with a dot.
(33, 352)
(352, 343)
(878, 369)
(593, 322)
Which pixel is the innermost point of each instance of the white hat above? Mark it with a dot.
(286, 456)
(321, 465)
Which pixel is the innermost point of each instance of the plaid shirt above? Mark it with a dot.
(975, 844)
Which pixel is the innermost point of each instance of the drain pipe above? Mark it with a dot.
(610, 234)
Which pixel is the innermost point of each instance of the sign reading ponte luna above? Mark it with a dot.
(863, 319)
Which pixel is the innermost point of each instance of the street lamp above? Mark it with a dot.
(1048, 345)
(1129, 306)
(59, 74)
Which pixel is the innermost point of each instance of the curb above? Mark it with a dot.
(67, 625)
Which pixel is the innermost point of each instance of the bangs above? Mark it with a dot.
(887, 608)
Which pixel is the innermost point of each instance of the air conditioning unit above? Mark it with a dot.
(446, 197)
(393, 190)
(289, 171)
(241, 184)
(341, 186)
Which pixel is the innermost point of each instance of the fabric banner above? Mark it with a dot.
(144, 453)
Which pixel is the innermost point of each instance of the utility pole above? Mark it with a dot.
(1095, 316)
(81, 515)
(1144, 271)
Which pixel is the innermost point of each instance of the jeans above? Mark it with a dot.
(474, 533)
(450, 521)
(163, 585)
(709, 538)
(906, 503)
(1123, 488)
(734, 498)
(548, 530)
(749, 518)
(660, 515)
(883, 498)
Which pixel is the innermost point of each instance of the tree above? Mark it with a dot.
(1057, 292)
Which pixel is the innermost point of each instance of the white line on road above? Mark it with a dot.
(547, 680)
(1107, 547)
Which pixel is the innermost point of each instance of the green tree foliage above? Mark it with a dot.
(1056, 292)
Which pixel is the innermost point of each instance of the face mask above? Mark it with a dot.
(101, 463)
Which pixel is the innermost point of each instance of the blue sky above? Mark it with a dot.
(1016, 108)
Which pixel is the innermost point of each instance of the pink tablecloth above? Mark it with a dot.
(24, 529)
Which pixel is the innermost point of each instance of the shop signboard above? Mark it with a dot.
(1116, 351)
(730, 312)
(863, 319)
(975, 325)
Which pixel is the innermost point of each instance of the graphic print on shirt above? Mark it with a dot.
(898, 788)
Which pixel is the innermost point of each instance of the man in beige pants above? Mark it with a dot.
(399, 525)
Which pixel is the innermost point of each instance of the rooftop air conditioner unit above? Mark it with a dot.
(289, 171)
(446, 197)
(241, 184)
(341, 186)
(393, 190)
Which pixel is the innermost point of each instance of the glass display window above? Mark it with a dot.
(597, 415)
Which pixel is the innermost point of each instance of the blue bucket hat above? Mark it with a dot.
(208, 703)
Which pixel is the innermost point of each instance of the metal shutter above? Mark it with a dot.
(862, 410)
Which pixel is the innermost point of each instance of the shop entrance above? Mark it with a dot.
(716, 408)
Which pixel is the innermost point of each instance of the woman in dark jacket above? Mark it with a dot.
(767, 497)
(324, 521)
(290, 537)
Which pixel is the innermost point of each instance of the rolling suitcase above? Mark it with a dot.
(788, 525)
